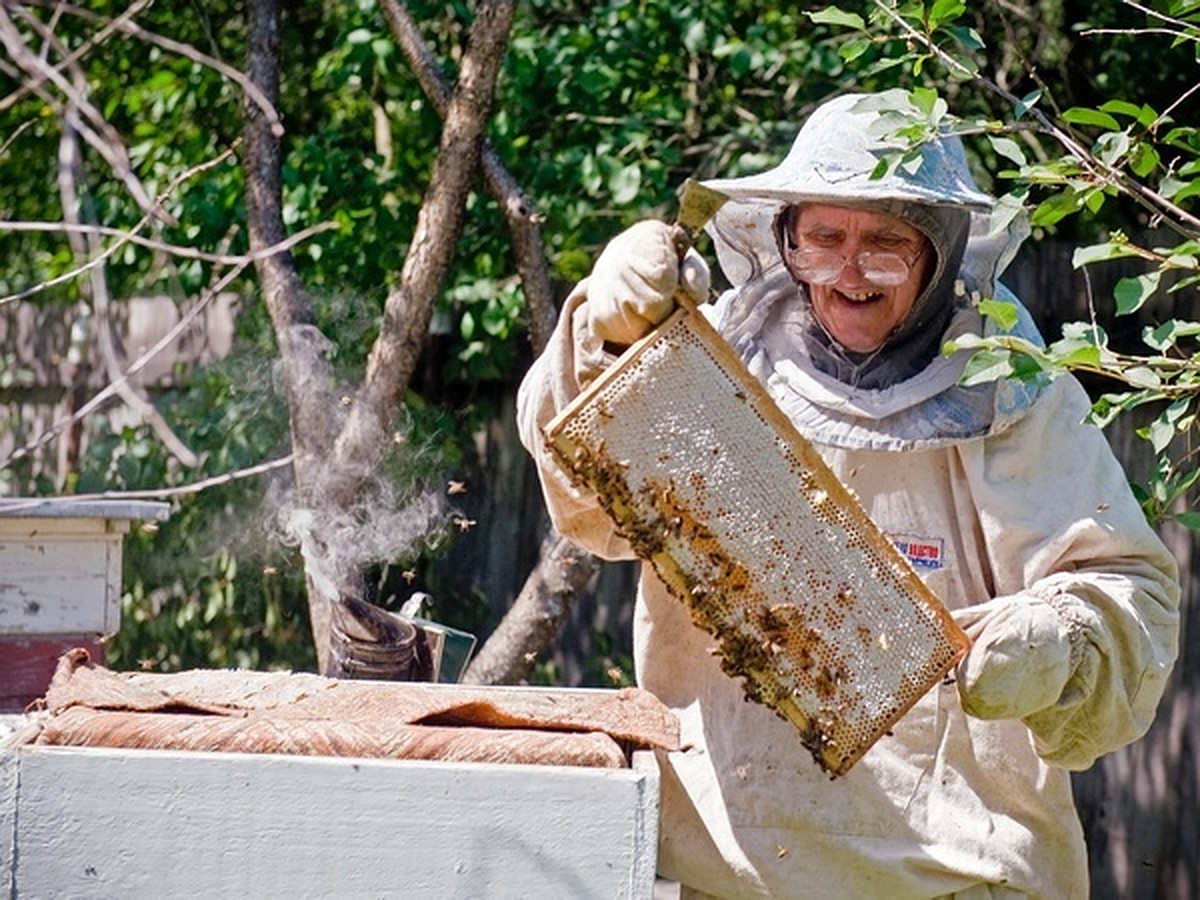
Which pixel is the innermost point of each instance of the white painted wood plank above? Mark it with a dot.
(8, 816)
(83, 510)
(108, 823)
(55, 584)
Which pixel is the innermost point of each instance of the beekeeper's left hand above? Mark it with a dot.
(1020, 657)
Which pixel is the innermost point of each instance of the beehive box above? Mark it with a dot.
(62, 562)
(60, 587)
(810, 603)
(89, 822)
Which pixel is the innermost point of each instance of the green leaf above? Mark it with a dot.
(1008, 148)
(1179, 191)
(1109, 406)
(926, 101)
(1164, 336)
(968, 37)
(696, 36)
(1161, 433)
(1122, 107)
(1131, 293)
(1085, 256)
(986, 366)
(1070, 355)
(1144, 159)
(1057, 207)
(1084, 333)
(625, 183)
(1005, 209)
(945, 9)
(1176, 412)
(1082, 115)
(1112, 147)
(1026, 103)
(1143, 377)
(1003, 313)
(1189, 520)
(831, 15)
(964, 342)
(912, 161)
(853, 49)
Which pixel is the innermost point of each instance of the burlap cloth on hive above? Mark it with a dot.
(294, 713)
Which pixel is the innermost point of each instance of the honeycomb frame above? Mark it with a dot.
(815, 610)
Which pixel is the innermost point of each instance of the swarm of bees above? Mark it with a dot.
(810, 606)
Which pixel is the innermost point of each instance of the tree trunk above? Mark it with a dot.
(563, 571)
(537, 615)
(337, 458)
(288, 302)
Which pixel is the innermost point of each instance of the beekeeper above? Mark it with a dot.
(844, 289)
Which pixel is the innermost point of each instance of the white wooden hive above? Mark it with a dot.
(811, 605)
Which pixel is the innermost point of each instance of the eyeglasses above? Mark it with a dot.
(826, 266)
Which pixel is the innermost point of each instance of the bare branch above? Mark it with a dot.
(100, 135)
(183, 490)
(125, 25)
(179, 251)
(1154, 14)
(185, 322)
(75, 55)
(113, 387)
(523, 221)
(240, 259)
(131, 236)
(75, 205)
(8, 142)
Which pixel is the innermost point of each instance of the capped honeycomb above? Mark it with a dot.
(811, 606)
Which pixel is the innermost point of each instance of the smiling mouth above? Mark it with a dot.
(859, 297)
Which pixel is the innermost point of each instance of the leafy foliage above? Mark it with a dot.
(603, 109)
(1125, 150)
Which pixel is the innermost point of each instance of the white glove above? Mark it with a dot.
(632, 286)
(1020, 657)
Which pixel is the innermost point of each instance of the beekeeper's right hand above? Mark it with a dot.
(1020, 660)
(632, 286)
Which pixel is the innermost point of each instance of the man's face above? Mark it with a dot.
(858, 312)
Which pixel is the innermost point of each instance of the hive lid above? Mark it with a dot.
(69, 507)
(811, 605)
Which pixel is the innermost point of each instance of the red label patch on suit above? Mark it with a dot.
(922, 552)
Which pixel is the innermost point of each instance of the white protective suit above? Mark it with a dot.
(999, 494)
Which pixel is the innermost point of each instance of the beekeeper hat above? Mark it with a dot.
(832, 160)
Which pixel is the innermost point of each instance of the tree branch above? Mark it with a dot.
(1150, 200)
(409, 305)
(563, 570)
(124, 24)
(75, 206)
(129, 236)
(537, 615)
(523, 221)
(78, 111)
